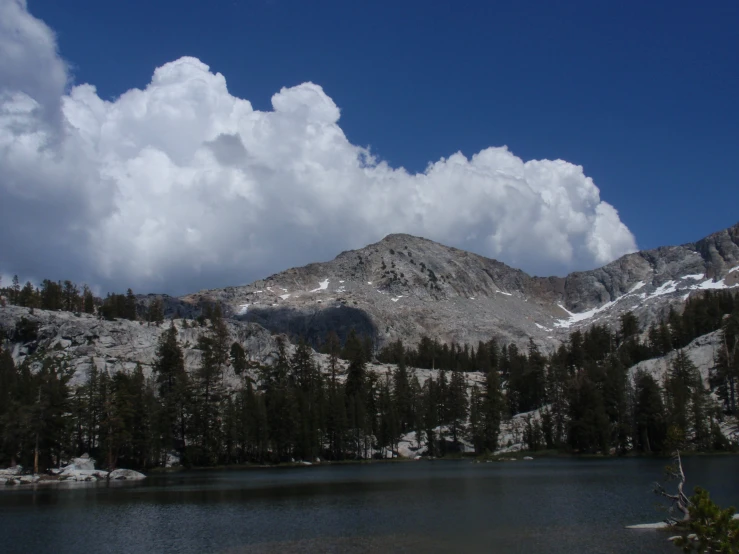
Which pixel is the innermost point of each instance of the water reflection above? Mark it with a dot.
(559, 505)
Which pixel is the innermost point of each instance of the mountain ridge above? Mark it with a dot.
(404, 287)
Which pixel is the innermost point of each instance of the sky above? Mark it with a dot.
(174, 146)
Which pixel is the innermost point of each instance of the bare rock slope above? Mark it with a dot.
(84, 341)
(406, 287)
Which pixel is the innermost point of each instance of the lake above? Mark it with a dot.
(543, 505)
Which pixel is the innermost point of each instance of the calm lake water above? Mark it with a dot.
(547, 505)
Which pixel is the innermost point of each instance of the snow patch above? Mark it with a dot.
(285, 296)
(542, 327)
(637, 286)
(506, 293)
(397, 298)
(242, 309)
(323, 285)
(709, 284)
(658, 525)
(369, 282)
(576, 318)
(665, 288)
(695, 277)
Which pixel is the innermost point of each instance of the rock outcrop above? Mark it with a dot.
(402, 287)
(85, 341)
(405, 287)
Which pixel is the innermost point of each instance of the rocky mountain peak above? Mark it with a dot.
(406, 287)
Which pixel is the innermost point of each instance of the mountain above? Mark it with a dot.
(401, 287)
(406, 287)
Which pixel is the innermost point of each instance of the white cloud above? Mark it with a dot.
(181, 185)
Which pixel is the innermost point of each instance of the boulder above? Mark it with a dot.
(11, 472)
(126, 474)
(71, 473)
(84, 462)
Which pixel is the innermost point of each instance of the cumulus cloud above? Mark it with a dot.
(181, 185)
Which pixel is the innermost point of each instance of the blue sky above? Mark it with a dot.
(643, 96)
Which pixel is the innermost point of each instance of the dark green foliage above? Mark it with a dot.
(34, 412)
(155, 312)
(588, 429)
(172, 415)
(117, 306)
(26, 330)
(708, 528)
(289, 410)
(238, 358)
(650, 426)
(725, 374)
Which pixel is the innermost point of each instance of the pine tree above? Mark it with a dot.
(173, 387)
(336, 406)
(615, 397)
(680, 385)
(649, 415)
(88, 300)
(725, 373)
(492, 407)
(15, 290)
(709, 528)
(156, 312)
(477, 436)
(130, 306)
(28, 297)
(457, 405)
(70, 296)
(402, 396)
(431, 415)
(389, 428)
(588, 428)
(238, 358)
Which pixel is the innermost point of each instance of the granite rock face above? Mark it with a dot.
(402, 287)
(85, 341)
(406, 287)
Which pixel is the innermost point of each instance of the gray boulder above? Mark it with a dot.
(126, 475)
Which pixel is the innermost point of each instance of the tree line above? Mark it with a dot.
(579, 397)
(70, 297)
(289, 410)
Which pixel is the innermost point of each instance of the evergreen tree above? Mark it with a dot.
(708, 527)
(156, 312)
(650, 427)
(402, 396)
(173, 386)
(680, 386)
(457, 405)
(88, 300)
(588, 429)
(130, 306)
(238, 358)
(28, 296)
(15, 290)
(492, 407)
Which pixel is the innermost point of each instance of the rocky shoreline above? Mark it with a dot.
(81, 469)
